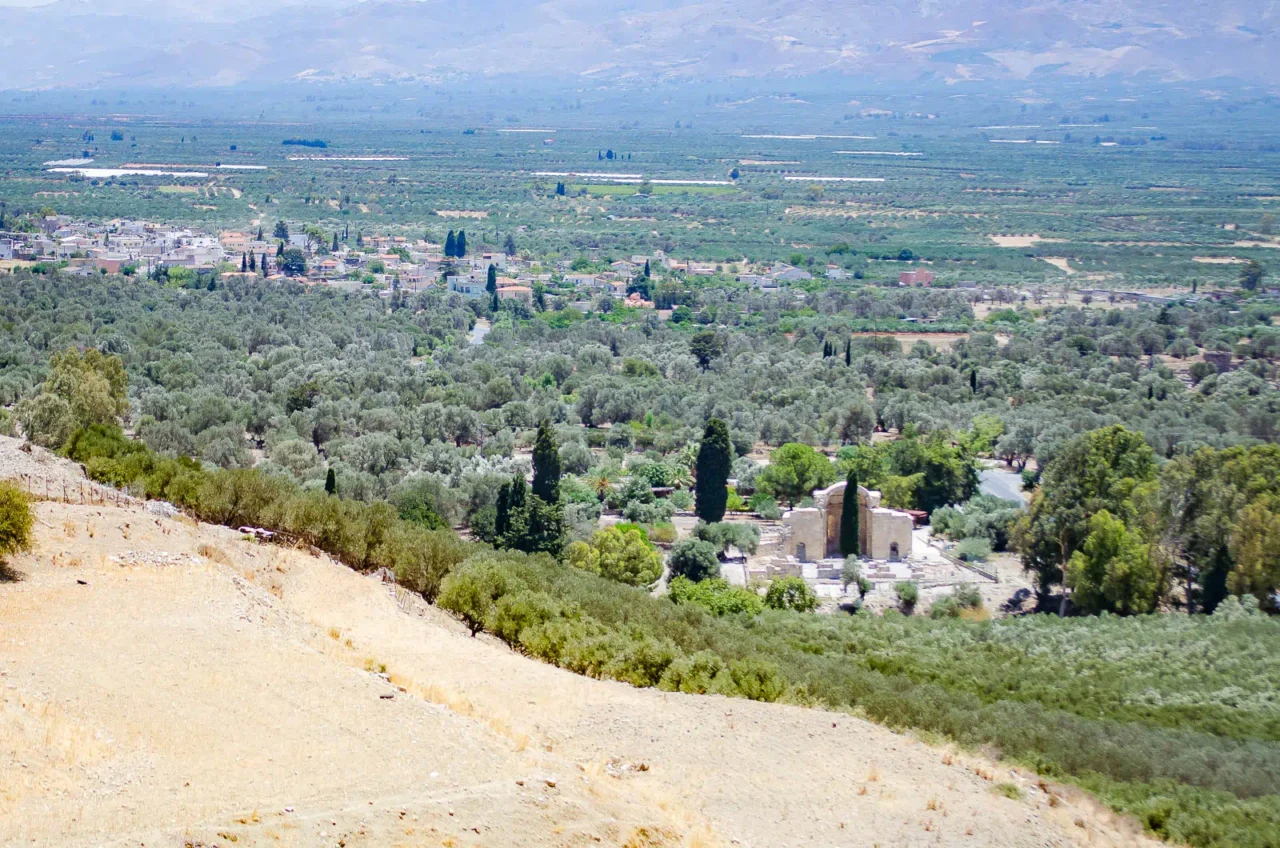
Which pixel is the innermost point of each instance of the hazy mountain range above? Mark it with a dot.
(77, 43)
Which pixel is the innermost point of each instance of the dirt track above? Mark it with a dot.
(200, 689)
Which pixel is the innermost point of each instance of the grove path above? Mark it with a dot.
(167, 683)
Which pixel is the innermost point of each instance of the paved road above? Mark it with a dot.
(1002, 484)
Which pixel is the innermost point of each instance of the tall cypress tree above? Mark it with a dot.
(848, 351)
(450, 245)
(502, 523)
(460, 248)
(714, 464)
(546, 464)
(335, 243)
(330, 483)
(244, 263)
(262, 264)
(849, 543)
(491, 284)
(253, 261)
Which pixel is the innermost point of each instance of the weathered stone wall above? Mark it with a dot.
(890, 534)
(813, 533)
(808, 539)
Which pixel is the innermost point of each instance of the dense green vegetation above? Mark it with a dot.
(394, 403)
(1168, 717)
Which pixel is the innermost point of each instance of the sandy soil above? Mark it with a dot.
(1060, 262)
(1219, 260)
(460, 213)
(166, 684)
(943, 342)
(1021, 241)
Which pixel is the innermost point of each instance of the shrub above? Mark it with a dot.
(635, 489)
(575, 458)
(716, 596)
(973, 550)
(757, 680)
(766, 507)
(697, 675)
(550, 640)
(472, 590)
(851, 575)
(791, 593)
(725, 535)
(654, 512)
(980, 517)
(664, 533)
(694, 559)
(515, 613)
(16, 521)
(47, 420)
(418, 501)
(641, 661)
(423, 558)
(908, 595)
(624, 555)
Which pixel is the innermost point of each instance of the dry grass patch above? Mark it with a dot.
(213, 554)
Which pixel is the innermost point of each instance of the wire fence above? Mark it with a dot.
(976, 569)
(83, 492)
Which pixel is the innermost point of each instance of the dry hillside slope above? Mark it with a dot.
(165, 684)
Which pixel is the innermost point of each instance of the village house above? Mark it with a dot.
(588, 281)
(234, 243)
(757, 281)
(468, 285)
(915, 277)
(782, 272)
(414, 276)
(497, 259)
(512, 291)
(69, 246)
(329, 269)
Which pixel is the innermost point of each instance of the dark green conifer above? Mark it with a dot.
(712, 469)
